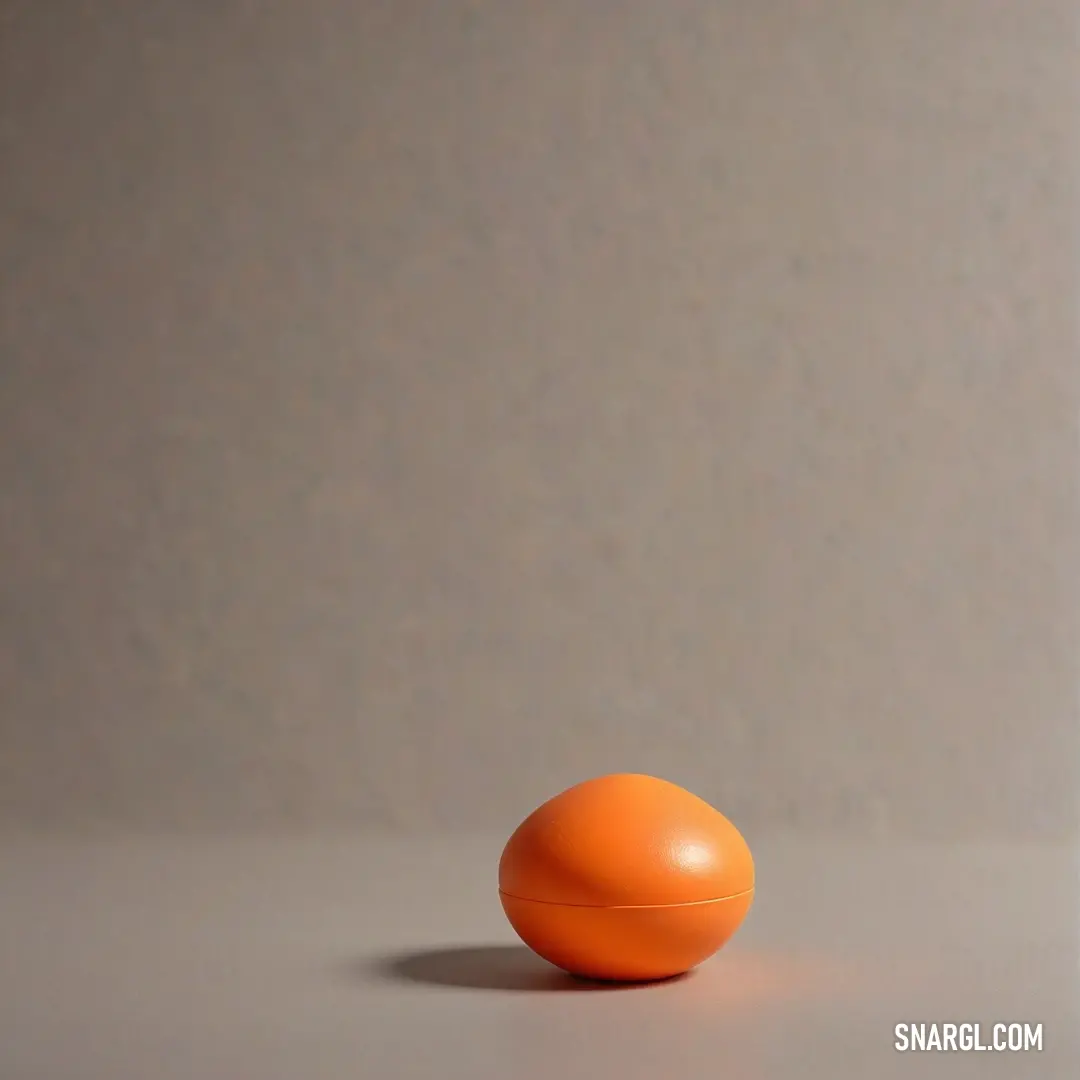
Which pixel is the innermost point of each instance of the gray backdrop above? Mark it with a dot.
(409, 409)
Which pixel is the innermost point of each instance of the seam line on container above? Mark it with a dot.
(629, 907)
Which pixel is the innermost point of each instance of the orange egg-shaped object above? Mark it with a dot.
(626, 878)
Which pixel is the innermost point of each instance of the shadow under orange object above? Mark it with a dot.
(741, 979)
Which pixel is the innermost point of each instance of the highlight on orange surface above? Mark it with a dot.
(626, 877)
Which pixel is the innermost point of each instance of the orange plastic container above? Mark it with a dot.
(626, 878)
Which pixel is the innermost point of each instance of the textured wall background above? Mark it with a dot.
(408, 409)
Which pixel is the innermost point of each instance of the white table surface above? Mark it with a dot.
(367, 957)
